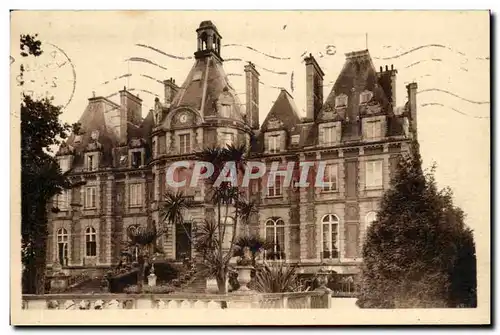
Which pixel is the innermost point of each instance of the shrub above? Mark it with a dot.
(276, 278)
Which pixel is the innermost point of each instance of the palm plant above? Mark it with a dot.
(173, 209)
(143, 241)
(255, 245)
(276, 278)
(210, 233)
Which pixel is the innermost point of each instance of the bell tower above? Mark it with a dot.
(209, 41)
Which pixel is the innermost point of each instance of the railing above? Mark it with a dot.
(299, 300)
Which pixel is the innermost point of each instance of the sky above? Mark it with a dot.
(446, 53)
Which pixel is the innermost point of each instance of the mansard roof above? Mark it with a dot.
(96, 121)
(357, 75)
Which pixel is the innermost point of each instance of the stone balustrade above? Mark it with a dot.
(295, 300)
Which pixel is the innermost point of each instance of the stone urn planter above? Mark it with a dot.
(244, 277)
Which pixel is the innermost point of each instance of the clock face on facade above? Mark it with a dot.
(183, 118)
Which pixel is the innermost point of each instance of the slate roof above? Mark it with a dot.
(203, 86)
(284, 110)
(92, 119)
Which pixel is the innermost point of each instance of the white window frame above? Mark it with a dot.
(95, 162)
(276, 225)
(330, 135)
(62, 200)
(331, 222)
(187, 143)
(331, 177)
(341, 101)
(374, 174)
(135, 198)
(90, 237)
(141, 159)
(275, 190)
(225, 110)
(64, 164)
(373, 129)
(90, 200)
(274, 143)
(62, 237)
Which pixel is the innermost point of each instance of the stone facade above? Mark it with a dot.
(120, 161)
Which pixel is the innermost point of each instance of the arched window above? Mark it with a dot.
(90, 242)
(364, 97)
(62, 246)
(275, 234)
(330, 227)
(370, 218)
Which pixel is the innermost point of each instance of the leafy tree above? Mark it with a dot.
(41, 177)
(419, 247)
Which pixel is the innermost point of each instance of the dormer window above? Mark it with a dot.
(184, 143)
(225, 103)
(329, 135)
(64, 164)
(136, 159)
(364, 97)
(273, 143)
(92, 162)
(341, 101)
(373, 129)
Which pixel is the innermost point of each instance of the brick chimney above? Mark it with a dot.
(170, 90)
(130, 113)
(314, 87)
(387, 79)
(412, 104)
(252, 95)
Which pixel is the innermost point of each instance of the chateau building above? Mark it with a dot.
(123, 159)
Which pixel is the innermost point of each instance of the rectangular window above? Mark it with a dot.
(275, 190)
(136, 160)
(373, 129)
(374, 174)
(225, 110)
(184, 144)
(330, 135)
(331, 177)
(135, 195)
(92, 162)
(274, 143)
(62, 200)
(64, 164)
(90, 197)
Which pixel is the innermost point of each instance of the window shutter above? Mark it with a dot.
(321, 136)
